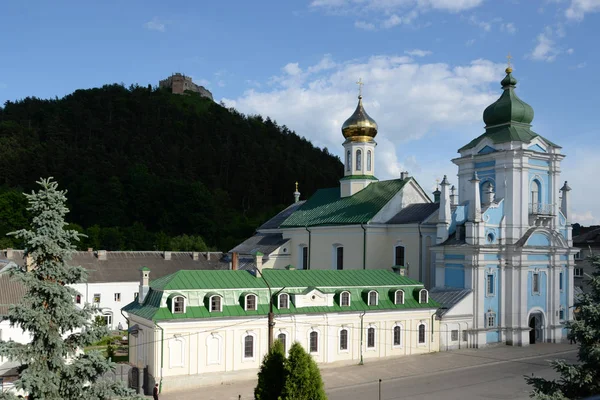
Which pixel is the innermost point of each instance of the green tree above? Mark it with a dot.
(52, 368)
(582, 379)
(187, 243)
(271, 376)
(303, 378)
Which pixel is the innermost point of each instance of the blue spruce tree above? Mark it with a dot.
(53, 365)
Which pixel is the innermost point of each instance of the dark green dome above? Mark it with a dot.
(509, 107)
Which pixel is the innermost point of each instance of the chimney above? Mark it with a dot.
(404, 175)
(167, 255)
(453, 196)
(9, 253)
(195, 256)
(234, 261)
(101, 255)
(258, 260)
(144, 284)
(436, 195)
(296, 194)
(564, 203)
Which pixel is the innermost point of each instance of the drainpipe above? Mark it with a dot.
(364, 246)
(162, 355)
(421, 269)
(361, 362)
(309, 247)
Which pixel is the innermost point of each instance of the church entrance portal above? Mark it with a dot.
(535, 327)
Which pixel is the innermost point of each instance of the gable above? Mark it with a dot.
(486, 150)
(411, 193)
(537, 147)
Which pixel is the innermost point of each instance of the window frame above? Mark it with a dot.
(424, 333)
(303, 254)
(174, 304)
(252, 336)
(78, 299)
(246, 302)
(349, 161)
(210, 303)
(561, 285)
(117, 297)
(490, 285)
(376, 298)
(97, 298)
(284, 341)
(561, 313)
(310, 342)
(399, 343)
(338, 257)
(454, 335)
(371, 337)
(491, 316)
(358, 161)
(342, 299)
(287, 301)
(343, 345)
(578, 269)
(401, 292)
(398, 258)
(421, 296)
(369, 160)
(535, 283)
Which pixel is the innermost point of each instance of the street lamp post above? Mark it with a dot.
(271, 322)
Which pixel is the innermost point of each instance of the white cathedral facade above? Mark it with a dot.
(495, 250)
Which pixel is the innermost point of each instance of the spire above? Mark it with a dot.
(359, 127)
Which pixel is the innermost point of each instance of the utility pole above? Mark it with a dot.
(270, 319)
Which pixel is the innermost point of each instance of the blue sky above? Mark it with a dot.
(430, 67)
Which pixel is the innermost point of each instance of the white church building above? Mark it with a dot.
(495, 249)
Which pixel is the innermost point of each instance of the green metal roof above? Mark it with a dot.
(507, 133)
(326, 207)
(368, 177)
(295, 281)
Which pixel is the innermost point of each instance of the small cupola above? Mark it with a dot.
(509, 107)
(359, 127)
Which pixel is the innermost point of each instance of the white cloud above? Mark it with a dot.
(417, 53)
(367, 26)
(407, 99)
(486, 26)
(508, 27)
(390, 13)
(155, 25)
(570, 51)
(545, 49)
(578, 8)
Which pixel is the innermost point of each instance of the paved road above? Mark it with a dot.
(490, 373)
(493, 380)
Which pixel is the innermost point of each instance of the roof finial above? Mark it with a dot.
(296, 186)
(509, 66)
(360, 85)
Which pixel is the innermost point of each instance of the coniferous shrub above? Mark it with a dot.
(271, 376)
(303, 378)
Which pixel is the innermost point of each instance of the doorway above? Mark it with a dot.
(535, 328)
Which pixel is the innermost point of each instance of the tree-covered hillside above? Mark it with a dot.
(144, 167)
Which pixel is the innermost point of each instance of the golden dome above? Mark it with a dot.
(359, 127)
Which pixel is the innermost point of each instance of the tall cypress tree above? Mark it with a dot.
(53, 366)
(303, 378)
(579, 380)
(271, 376)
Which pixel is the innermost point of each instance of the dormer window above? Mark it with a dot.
(345, 299)
(179, 305)
(284, 301)
(250, 302)
(399, 297)
(373, 298)
(423, 296)
(216, 305)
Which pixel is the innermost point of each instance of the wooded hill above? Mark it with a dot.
(144, 167)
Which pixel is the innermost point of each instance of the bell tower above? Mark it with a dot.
(359, 149)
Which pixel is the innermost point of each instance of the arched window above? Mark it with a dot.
(397, 335)
(399, 297)
(345, 299)
(348, 160)
(338, 257)
(303, 256)
(215, 303)
(313, 344)
(344, 339)
(536, 195)
(250, 302)
(373, 298)
(371, 337)
(282, 338)
(423, 296)
(249, 346)
(358, 160)
(178, 305)
(421, 333)
(284, 299)
(368, 160)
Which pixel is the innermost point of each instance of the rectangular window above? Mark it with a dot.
(578, 255)
(305, 257)
(399, 256)
(117, 297)
(561, 314)
(491, 320)
(465, 336)
(536, 283)
(339, 257)
(490, 285)
(97, 298)
(454, 335)
(579, 272)
(560, 281)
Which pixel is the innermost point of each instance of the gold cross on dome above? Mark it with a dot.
(508, 57)
(360, 85)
